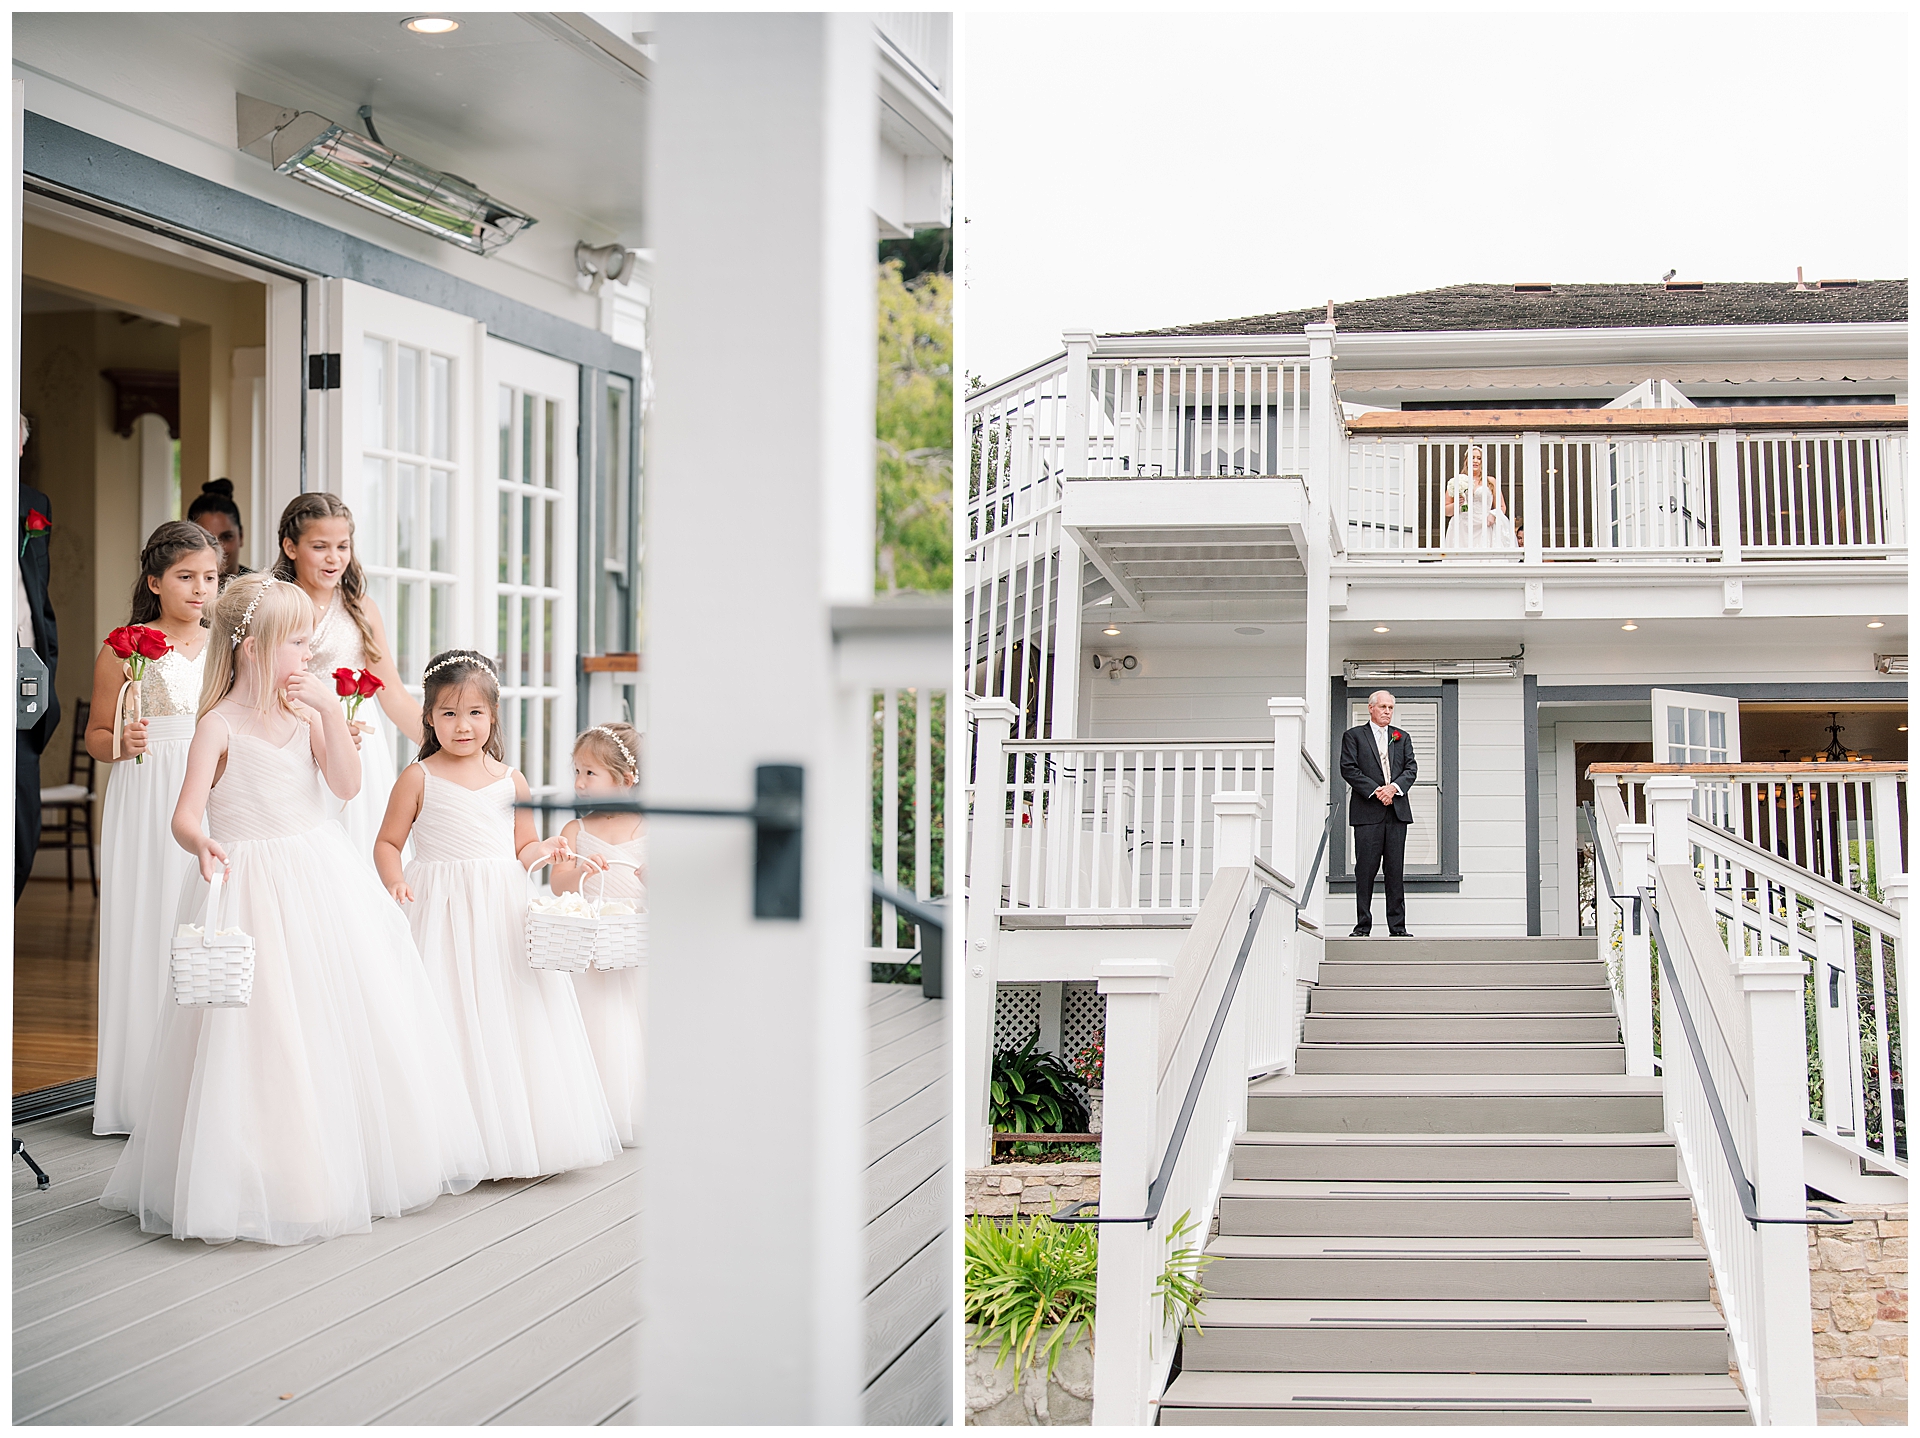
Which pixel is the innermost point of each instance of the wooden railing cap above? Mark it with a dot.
(1628, 421)
(1824, 771)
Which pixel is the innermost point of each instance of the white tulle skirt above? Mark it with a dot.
(333, 1099)
(362, 815)
(613, 1004)
(142, 872)
(522, 1045)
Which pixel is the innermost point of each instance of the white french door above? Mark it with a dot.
(1699, 729)
(531, 532)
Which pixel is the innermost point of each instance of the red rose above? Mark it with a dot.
(121, 641)
(369, 684)
(1396, 734)
(151, 643)
(343, 683)
(37, 523)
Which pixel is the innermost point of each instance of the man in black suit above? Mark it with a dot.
(36, 632)
(1377, 762)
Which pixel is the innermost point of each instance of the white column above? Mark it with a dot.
(1292, 849)
(1128, 1315)
(1894, 894)
(1669, 803)
(993, 722)
(1636, 957)
(1236, 828)
(1079, 355)
(1533, 515)
(1065, 723)
(1726, 461)
(757, 115)
(1777, 1058)
(1324, 414)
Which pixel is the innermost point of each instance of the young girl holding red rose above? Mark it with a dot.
(146, 687)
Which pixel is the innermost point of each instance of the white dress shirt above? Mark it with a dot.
(1380, 747)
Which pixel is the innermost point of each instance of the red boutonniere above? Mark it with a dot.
(356, 688)
(1395, 734)
(136, 645)
(35, 526)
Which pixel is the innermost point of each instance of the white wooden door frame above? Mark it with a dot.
(1566, 780)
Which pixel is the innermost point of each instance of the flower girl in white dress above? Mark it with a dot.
(141, 869)
(614, 846)
(522, 1046)
(334, 1097)
(317, 553)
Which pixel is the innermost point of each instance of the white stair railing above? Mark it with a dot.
(1182, 1040)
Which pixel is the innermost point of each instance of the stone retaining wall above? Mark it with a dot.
(1030, 1189)
(1859, 1281)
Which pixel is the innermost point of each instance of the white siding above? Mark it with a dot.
(1548, 780)
(1181, 693)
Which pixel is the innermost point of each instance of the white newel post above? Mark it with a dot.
(1636, 957)
(1727, 465)
(993, 723)
(1776, 1031)
(1532, 514)
(1236, 828)
(1079, 392)
(1669, 804)
(1289, 821)
(1324, 411)
(1127, 1316)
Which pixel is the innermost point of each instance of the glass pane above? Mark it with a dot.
(506, 433)
(526, 539)
(526, 641)
(550, 430)
(1716, 736)
(546, 644)
(527, 426)
(549, 521)
(373, 393)
(1423, 835)
(1696, 730)
(1676, 736)
(370, 532)
(406, 397)
(403, 635)
(437, 618)
(523, 740)
(439, 558)
(506, 536)
(500, 653)
(440, 397)
(549, 742)
(406, 510)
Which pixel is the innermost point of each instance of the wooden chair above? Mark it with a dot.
(74, 800)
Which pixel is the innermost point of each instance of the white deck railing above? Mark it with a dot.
(1167, 419)
(907, 747)
(1182, 1041)
(1717, 497)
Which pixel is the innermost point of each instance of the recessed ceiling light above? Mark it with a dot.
(1249, 629)
(430, 25)
(1111, 629)
(1381, 629)
(1875, 624)
(1629, 625)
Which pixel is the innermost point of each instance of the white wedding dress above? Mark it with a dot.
(336, 645)
(613, 1002)
(1469, 528)
(522, 1046)
(335, 1096)
(141, 874)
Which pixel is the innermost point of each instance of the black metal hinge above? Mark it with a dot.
(323, 371)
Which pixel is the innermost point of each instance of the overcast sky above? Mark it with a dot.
(1130, 171)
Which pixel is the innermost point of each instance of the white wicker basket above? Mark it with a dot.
(573, 943)
(212, 970)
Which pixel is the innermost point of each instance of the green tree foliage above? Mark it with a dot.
(913, 477)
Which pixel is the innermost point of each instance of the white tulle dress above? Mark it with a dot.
(337, 645)
(522, 1046)
(335, 1096)
(1477, 523)
(613, 1002)
(141, 874)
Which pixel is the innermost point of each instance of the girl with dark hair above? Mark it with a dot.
(317, 553)
(215, 512)
(141, 868)
(524, 1049)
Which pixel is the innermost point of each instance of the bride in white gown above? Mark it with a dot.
(1476, 514)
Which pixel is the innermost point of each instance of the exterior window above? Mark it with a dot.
(614, 538)
(403, 522)
(533, 580)
(1430, 716)
(1419, 719)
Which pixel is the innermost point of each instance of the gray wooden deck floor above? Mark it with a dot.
(514, 1303)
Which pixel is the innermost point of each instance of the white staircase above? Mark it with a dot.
(1459, 1210)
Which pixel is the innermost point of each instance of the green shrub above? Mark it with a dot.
(1030, 1286)
(1033, 1092)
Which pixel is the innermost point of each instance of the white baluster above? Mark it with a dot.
(993, 722)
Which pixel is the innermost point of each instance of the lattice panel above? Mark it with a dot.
(1083, 1013)
(1016, 1014)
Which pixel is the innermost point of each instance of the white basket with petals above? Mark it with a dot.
(574, 932)
(212, 967)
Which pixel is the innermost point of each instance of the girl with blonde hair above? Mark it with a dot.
(334, 1096)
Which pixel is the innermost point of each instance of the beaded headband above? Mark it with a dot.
(459, 656)
(240, 629)
(625, 753)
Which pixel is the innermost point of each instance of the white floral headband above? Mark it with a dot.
(459, 656)
(625, 752)
(240, 630)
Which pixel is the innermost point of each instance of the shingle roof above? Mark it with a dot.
(1501, 307)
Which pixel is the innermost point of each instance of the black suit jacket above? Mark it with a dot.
(35, 570)
(1360, 767)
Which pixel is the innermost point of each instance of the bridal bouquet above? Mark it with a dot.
(356, 689)
(136, 645)
(1461, 487)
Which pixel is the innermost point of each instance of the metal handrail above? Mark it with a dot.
(1163, 1179)
(1326, 836)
